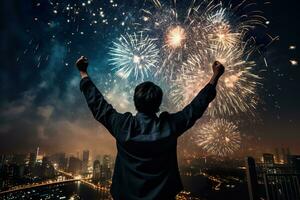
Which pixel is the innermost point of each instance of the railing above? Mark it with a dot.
(282, 186)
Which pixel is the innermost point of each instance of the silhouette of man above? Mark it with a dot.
(146, 164)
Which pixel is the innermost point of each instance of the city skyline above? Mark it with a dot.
(36, 176)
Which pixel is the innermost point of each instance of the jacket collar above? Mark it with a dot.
(146, 115)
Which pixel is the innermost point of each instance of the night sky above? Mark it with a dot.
(41, 104)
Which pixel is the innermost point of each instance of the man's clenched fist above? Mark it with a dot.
(82, 64)
(218, 68)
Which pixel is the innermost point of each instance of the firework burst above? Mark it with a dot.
(135, 55)
(236, 89)
(197, 26)
(221, 31)
(219, 137)
(175, 37)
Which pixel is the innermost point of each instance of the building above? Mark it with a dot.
(268, 159)
(47, 169)
(60, 160)
(277, 155)
(75, 165)
(272, 181)
(294, 162)
(85, 161)
(96, 171)
(252, 178)
(19, 159)
(32, 159)
(106, 169)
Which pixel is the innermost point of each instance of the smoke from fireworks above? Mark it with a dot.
(219, 137)
(135, 55)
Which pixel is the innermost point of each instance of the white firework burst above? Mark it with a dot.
(221, 31)
(236, 89)
(134, 54)
(218, 137)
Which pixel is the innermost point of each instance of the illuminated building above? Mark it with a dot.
(272, 181)
(96, 171)
(75, 165)
(106, 169)
(268, 159)
(85, 161)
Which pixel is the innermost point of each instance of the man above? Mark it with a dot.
(146, 164)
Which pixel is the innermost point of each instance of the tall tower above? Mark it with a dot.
(106, 169)
(96, 171)
(85, 160)
(277, 156)
(32, 159)
(252, 178)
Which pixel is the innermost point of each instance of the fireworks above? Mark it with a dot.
(175, 37)
(134, 54)
(294, 62)
(173, 43)
(219, 137)
(211, 36)
(221, 30)
(236, 89)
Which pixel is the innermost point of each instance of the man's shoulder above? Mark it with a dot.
(126, 115)
(164, 115)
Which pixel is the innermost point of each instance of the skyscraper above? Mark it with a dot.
(85, 161)
(106, 169)
(252, 178)
(96, 171)
(47, 170)
(32, 159)
(75, 165)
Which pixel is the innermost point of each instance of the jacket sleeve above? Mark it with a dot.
(102, 111)
(186, 118)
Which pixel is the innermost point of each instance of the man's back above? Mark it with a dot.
(146, 164)
(147, 155)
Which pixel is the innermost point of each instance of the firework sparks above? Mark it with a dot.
(175, 37)
(221, 31)
(134, 54)
(208, 32)
(219, 137)
(236, 89)
(294, 62)
(207, 25)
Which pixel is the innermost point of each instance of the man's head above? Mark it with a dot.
(147, 97)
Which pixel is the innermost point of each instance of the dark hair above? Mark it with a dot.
(147, 97)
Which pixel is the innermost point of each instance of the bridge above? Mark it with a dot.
(31, 186)
(48, 183)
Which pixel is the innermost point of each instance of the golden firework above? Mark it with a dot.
(175, 37)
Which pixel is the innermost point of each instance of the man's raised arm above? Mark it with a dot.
(186, 118)
(102, 111)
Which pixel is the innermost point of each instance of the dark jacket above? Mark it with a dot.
(146, 164)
